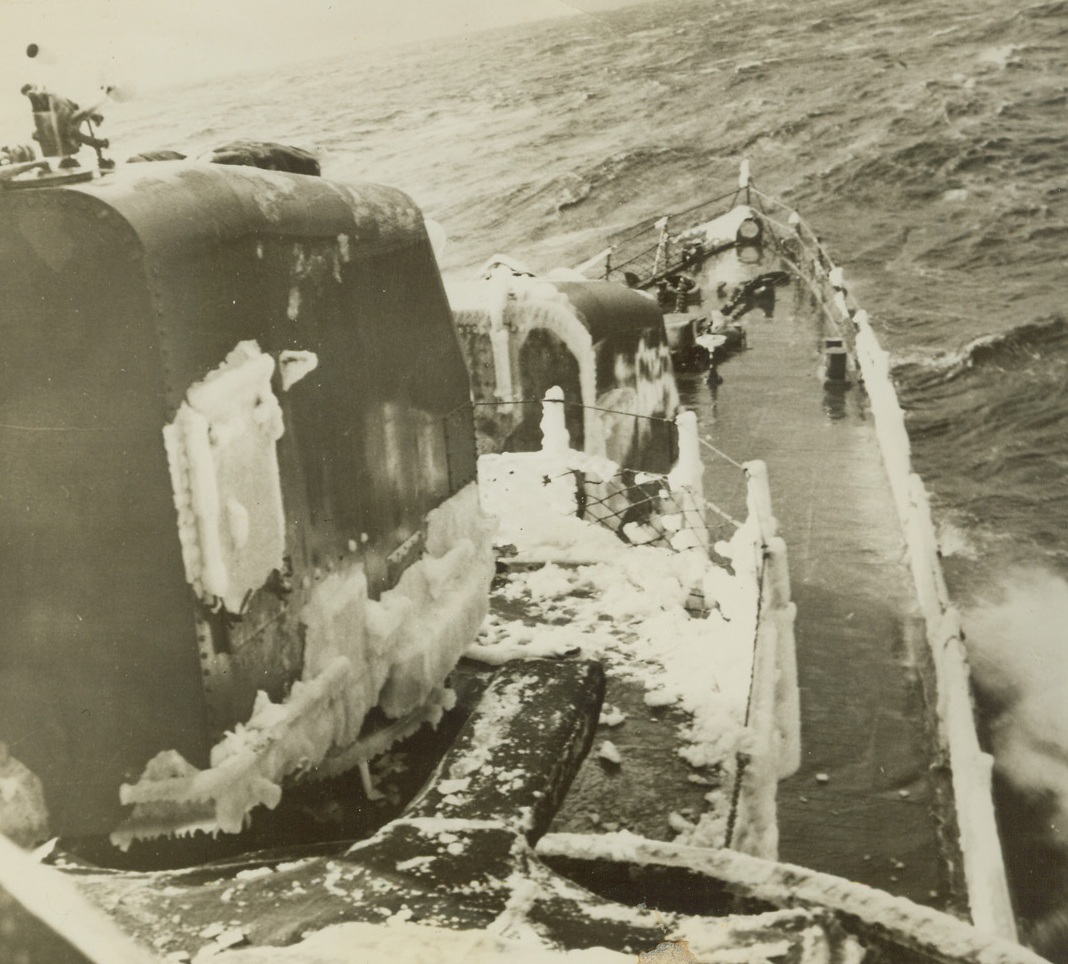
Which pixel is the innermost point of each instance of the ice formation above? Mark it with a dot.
(724, 229)
(23, 812)
(733, 675)
(394, 652)
(988, 896)
(911, 927)
(495, 317)
(509, 305)
(417, 943)
(47, 918)
(294, 365)
(224, 472)
(609, 752)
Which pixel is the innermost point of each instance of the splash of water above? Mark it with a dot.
(1016, 643)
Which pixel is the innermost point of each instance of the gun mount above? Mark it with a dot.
(61, 129)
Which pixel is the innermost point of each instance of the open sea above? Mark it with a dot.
(927, 143)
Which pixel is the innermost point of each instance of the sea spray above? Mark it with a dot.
(1016, 643)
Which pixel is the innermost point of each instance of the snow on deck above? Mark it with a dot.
(675, 631)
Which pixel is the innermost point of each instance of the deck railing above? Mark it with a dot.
(802, 248)
(984, 871)
(648, 500)
(631, 493)
(653, 249)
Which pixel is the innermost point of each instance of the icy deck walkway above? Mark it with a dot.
(674, 629)
(649, 780)
(635, 776)
(862, 804)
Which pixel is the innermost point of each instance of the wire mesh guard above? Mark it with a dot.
(640, 506)
(641, 509)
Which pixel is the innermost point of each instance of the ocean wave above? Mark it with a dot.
(571, 188)
(989, 430)
(1000, 57)
(1039, 11)
(914, 173)
(1023, 344)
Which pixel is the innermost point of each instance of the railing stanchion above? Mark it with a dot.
(555, 439)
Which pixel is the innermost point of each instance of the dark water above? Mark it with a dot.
(926, 142)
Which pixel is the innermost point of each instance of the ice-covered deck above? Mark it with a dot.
(700, 715)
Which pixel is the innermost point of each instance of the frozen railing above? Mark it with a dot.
(802, 248)
(984, 870)
(657, 247)
(668, 510)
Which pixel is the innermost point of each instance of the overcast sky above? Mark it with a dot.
(151, 43)
(160, 41)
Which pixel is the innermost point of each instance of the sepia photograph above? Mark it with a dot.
(532, 481)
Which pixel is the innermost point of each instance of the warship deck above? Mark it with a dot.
(865, 803)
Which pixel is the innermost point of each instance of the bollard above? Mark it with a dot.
(835, 360)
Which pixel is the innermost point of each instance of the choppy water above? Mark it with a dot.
(927, 142)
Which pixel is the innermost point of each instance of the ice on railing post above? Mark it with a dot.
(837, 279)
(689, 470)
(555, 439)
(686, 481)
(794, 246)
(661, 246)
(889, 418)
(759, 498)
(787, 700)
(878, 362)
(743, 181)
(600, 259)
(862, 323)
